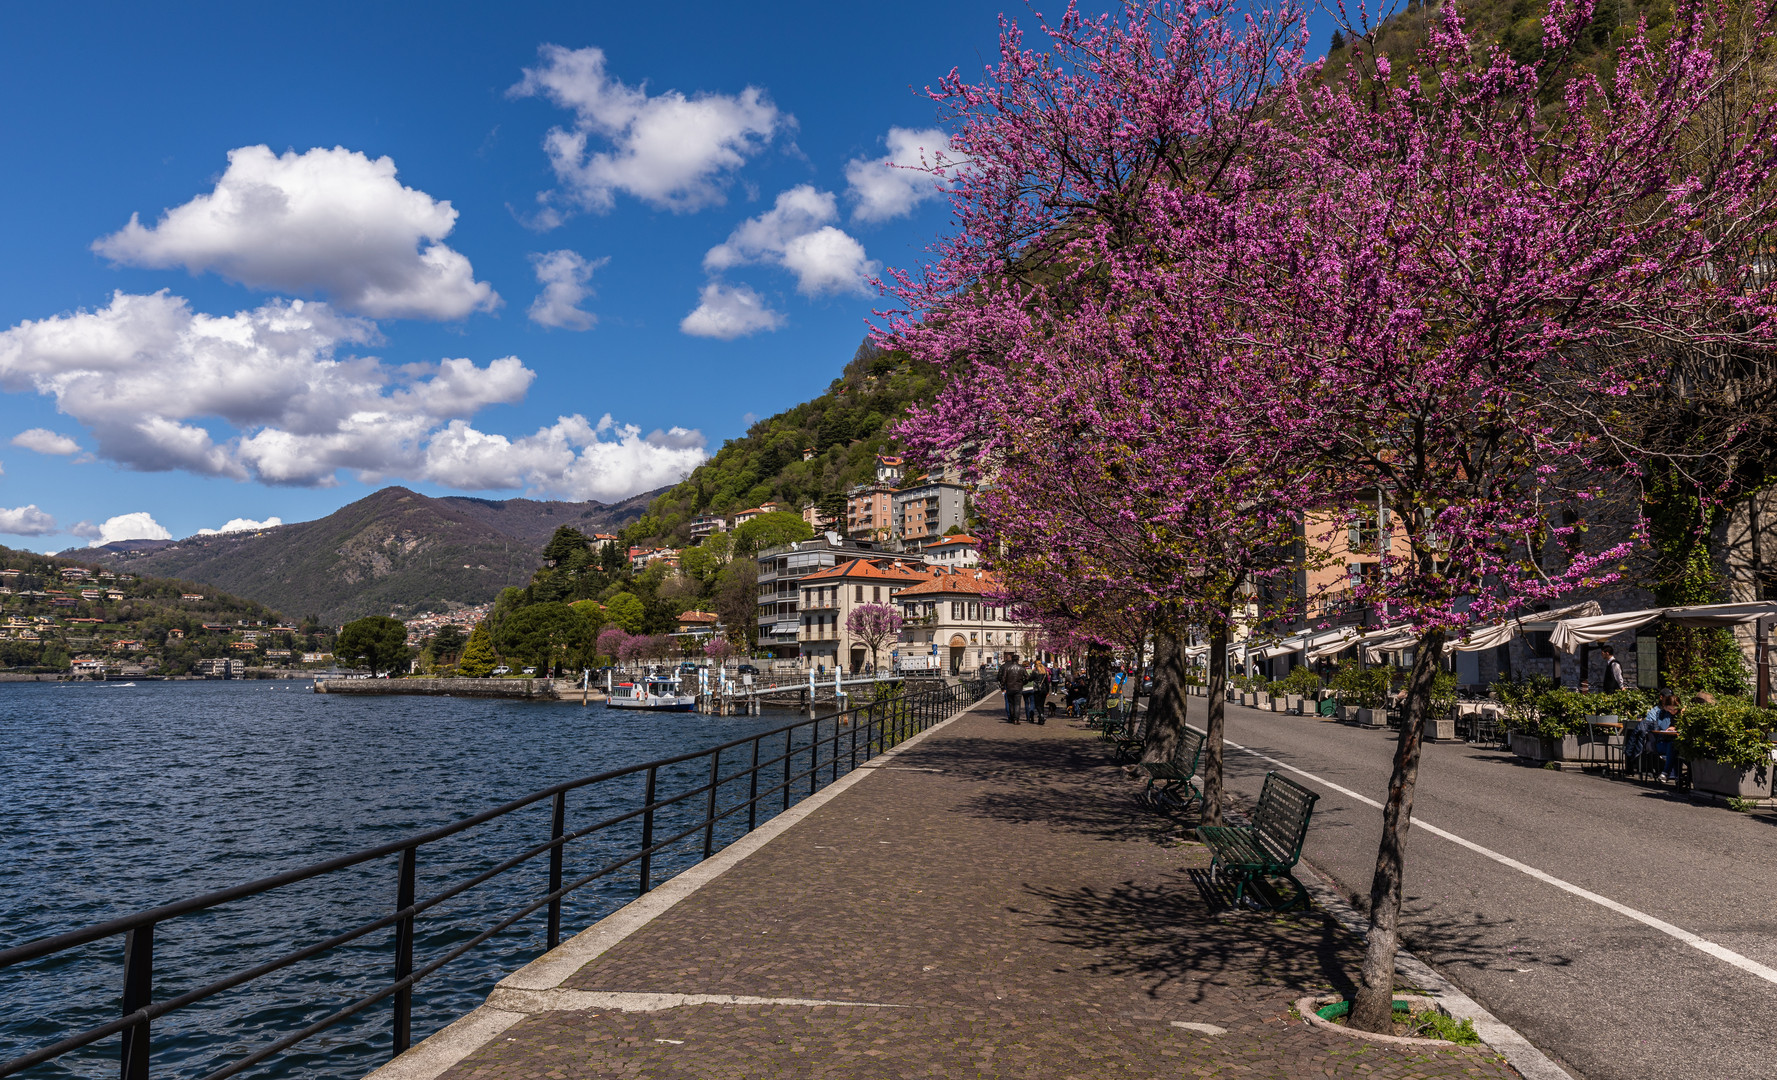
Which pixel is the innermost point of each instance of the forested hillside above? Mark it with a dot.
(845, 428)
(49, 618)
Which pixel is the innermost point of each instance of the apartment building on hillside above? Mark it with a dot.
(927, 509)
(827, 601)
(781, 570)
(951, 617)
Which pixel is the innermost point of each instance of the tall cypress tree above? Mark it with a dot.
(478, 656)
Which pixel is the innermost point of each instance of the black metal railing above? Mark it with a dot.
(777, 768)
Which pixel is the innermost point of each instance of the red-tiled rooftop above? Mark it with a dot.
(868, 571)
(971, 582)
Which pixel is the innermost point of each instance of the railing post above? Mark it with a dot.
(854, 742)
(648, 826)
(753, 789)
(556, 828)
(789, 756)
(709, 809)
(404, 951)
(138, 991)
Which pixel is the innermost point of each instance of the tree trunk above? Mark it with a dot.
(1166, 708)
(1373, 1007)
(1212, 743)
(1098, 675)
(1134, 694)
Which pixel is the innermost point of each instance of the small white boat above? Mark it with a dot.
(655, 693)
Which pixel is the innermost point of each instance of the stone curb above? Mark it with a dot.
(1307, 1005)
(434, 1055)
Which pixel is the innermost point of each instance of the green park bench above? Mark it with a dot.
(1181, 770)
(1270, 846)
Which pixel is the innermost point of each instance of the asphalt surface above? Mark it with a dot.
(1607, 997)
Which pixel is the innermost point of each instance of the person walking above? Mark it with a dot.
(1033, 693)
(1012, 685)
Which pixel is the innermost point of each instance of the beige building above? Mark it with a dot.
(950, 616)
(830, 596)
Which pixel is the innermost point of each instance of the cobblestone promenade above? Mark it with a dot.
(999, 907)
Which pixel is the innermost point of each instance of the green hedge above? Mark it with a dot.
(1731, 730)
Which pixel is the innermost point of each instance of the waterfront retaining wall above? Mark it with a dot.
(541, 689)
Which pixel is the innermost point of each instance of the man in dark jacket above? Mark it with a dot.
(1613, 671)
(1012, 685)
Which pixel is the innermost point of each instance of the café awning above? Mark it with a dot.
(1491, 637)
(1569, 635)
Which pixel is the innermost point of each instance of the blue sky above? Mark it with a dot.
(663, 214)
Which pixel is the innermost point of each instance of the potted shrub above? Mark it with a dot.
(1364, 688)
(1300, 685)
(1728, 743)
(1542, 717)
(1440, 719)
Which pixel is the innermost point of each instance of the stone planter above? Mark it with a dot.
(1719, 779)
(1292, 703)
(1348, 714)
(1439, 729)
(1371, 717)
(1262, 702)
(1532, 748)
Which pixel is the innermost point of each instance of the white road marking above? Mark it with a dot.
(1703, 945)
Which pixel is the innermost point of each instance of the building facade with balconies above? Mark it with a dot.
(952, 617)
(828, 599)
(925, 510)
(781, 570)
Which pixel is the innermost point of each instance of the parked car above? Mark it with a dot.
(747, 669)
(687, 668)
(502, 670)
(530, 671)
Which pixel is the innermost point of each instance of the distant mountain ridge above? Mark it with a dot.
(392, 551)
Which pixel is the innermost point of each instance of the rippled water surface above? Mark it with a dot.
(116, 798)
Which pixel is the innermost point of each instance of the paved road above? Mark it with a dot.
(1609, 997)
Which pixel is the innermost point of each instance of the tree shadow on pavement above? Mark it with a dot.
(1069, 784)
(1186, 936)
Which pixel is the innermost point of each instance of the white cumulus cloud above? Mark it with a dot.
(137, 526)
(572, 458)
(890, 187)
(667, 149)
(564, 276)
(729, 312)
(795, 235)
(26, 521)
(276, 394)
(333, 222)
(45, 441)
(242, 525)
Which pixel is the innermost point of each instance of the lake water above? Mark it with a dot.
(116, 798)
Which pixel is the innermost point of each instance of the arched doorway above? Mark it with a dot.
(957, 645)
(858, 655)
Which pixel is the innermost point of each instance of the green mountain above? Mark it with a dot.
(813, 452)
(48, 617)
(392, 551)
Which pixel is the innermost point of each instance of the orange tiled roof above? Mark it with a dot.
(865, 570)
(697, 616)
(966, 582)
(960, 538)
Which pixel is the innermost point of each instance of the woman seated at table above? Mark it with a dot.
(1660, 718)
